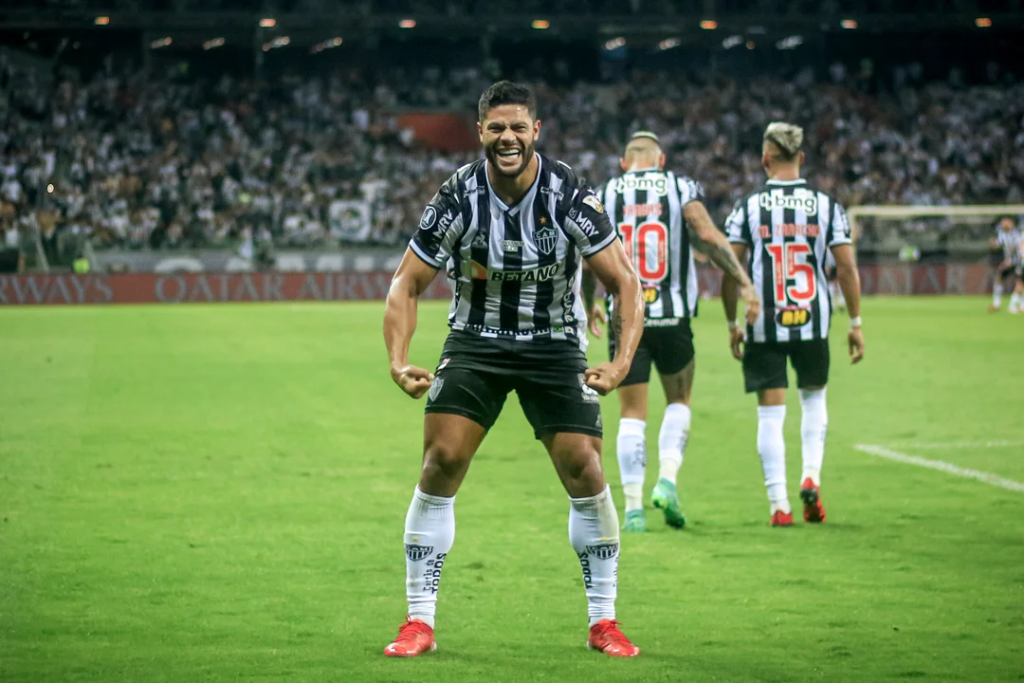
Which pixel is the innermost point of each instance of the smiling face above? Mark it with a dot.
(508, 134)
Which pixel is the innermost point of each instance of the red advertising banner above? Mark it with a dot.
(199, 287)
(176, 288)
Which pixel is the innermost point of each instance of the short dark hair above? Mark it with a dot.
(506, 92)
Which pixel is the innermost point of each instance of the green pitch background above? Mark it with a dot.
(217, 493)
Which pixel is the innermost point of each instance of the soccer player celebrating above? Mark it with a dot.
(659, 217)
(512, 230)
(786, 229)
(1009, 238)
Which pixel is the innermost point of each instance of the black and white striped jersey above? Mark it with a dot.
(1010, 241)
(646, 208)
(788, 227)
(516, 269)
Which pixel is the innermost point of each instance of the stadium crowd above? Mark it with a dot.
(137, 162)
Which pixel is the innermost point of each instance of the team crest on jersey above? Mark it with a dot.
(792, 316)
(435, 388)
(429, 218)
(594, 203)
(546, 239)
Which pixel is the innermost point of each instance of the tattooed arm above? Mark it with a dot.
(707, 239)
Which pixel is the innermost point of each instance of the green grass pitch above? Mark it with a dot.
(217, 493)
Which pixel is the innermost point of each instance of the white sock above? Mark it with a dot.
(813, 427)
(675, 431)
(997, 294)
(771, 446)
(632, 454)
(1015, 301)
(594, 534)
(429, 534)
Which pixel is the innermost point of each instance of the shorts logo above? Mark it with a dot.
(415, 553)
(546, 239)
(589, 395)
(435, 388)
(603, 552)
(428, 219)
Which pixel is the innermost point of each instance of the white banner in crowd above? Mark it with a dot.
(350, 219)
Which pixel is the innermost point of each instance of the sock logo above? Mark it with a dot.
(588, 577)
(432, 577)
(603, 552)
(415, 553)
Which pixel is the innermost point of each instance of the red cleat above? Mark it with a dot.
(810, 494)
(414, 638)
(606, 637)
(781, 518)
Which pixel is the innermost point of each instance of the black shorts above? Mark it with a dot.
(670, 348)
(476, 374)
(1008, 271)
(764, 364)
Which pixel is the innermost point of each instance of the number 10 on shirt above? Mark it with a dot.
(647, 246)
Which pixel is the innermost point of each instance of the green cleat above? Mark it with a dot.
(664, 497)
(635, 522)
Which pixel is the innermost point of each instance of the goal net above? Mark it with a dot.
(928, 249)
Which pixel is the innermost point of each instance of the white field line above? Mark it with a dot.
(948, 468)
(961, 444)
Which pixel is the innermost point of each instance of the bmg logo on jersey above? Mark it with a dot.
(656, 183)
(798, 201)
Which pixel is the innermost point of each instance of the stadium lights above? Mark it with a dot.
(101, 21)
(615, 43)
(49, 189)
(983, 22)
(268, 22)
(541, 24)
(790, 43)
(731, 42)
(326, 45)
(162, 42)
(750, 45)
(709, 24)
(407, 23)
(276, 43)
(669, 43)
(211, 44)
(848, 23)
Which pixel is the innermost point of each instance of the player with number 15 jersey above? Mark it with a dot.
(786, 228)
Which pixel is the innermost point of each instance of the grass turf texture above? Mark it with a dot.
(217, 493)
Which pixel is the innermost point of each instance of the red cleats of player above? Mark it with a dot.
(780, 518)
(414, 638)
(810, 494)
(606, 637)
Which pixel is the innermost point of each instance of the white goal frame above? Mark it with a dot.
(909, 211)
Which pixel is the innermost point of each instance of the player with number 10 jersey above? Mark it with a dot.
(660, 218)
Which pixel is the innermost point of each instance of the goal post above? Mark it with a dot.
(855, 213)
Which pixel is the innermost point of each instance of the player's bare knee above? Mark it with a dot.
(444, 461)
(580, 470)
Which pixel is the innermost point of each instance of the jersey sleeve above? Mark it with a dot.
(689, 191)
(439, 228)
(838, 227)
(736, 227)
(587, 223)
